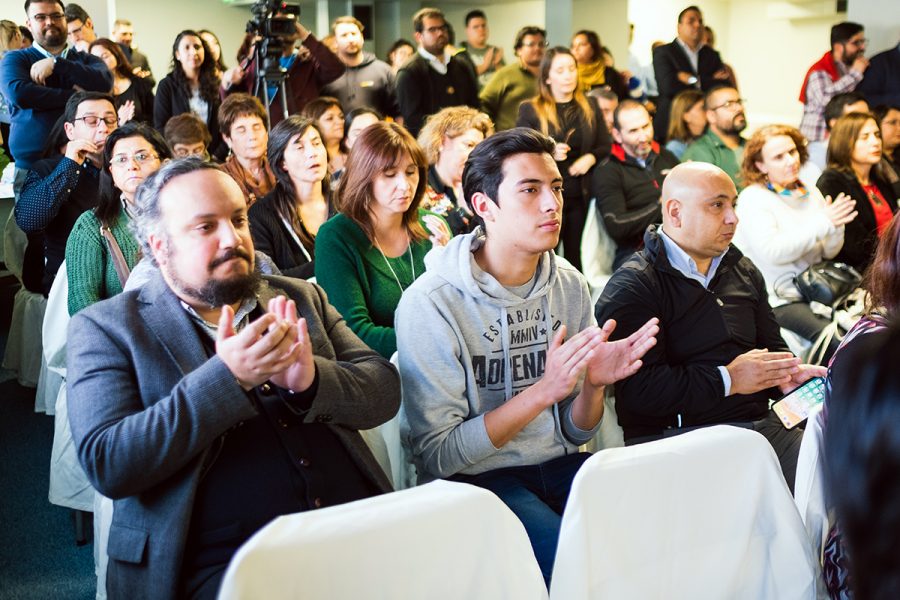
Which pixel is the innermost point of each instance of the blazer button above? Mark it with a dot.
(266, 388)
(304, 462)
(318, 503)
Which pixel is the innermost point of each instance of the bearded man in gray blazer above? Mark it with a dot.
(212, 400)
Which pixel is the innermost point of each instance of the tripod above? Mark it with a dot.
(269, 71)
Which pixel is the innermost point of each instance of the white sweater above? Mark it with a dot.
(783, 236)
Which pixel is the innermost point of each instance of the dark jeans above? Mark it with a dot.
(537, 494)
(785, 442)
(799, 318)
(573, 218)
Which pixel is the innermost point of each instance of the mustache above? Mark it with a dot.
(228, 255)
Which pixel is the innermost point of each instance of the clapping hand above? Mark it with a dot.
(613, 361)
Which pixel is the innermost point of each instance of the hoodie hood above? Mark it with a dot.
(454, 263)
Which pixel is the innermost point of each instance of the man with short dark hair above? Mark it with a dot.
(80, 27)
(37, 81)
(608, 101)
(517, 81)
(722, 144)
(720, 357)
(367, 81)
(839, 70)
(430, 80)
(58, 189)
(683, 64)
(837, 107)
(211, 401)
(485, 58)
(502, 366)
(627, 184)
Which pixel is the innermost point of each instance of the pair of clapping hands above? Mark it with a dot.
(275, 347)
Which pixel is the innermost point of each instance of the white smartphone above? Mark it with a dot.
(794, 407)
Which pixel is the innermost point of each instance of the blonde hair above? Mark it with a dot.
(545, 105)
(452, 122)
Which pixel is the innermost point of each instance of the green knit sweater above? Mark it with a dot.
(92, 276)
(359, 283)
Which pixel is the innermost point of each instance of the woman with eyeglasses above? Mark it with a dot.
(786, 225)
(888, 118)
(133, 94)
(374, 248)
(101, 250)
(285, 222)
(854, 157)
(191, 86)
(575, 121)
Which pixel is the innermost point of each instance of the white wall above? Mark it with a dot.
(881, 19)
(504, 20)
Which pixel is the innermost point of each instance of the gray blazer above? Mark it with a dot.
(146, 404)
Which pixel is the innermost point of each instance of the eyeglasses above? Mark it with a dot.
(731, 104)
(535, 44)
(94, 120)
(76, 30)
(141, 157)
(859, 42)
(438, 29)
(42, 18)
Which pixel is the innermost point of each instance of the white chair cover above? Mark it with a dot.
(23, 346)
(597, 251)
(706, 514)
(442, 540)
(809, 489)
(69, 485)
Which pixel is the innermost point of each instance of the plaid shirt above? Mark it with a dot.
(819, 90)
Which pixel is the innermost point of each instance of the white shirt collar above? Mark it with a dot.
(47, 53)
(436, 63)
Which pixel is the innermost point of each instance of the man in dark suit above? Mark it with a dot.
(684, 64)
(431, 80)
(208, 402)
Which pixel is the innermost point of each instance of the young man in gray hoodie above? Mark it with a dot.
(502, 364)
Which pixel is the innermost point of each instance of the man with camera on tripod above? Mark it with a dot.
(305, 69)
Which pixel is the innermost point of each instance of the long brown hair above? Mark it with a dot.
(123, 66)
(750, 173)
(683, 103)
(545, 105)
(377, 149)
(843, 139)
(882, 278)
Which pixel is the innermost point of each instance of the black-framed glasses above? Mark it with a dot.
(42, 18)
(731, 104)
(141, 157)
(437, 29)
(94, 120)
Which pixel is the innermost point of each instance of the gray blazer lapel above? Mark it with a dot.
(166, 317)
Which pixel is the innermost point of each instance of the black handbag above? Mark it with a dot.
(827, 282)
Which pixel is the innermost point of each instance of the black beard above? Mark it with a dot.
(216, 293)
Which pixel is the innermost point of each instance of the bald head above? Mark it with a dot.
(698, 209)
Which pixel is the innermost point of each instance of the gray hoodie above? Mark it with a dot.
(459, 332)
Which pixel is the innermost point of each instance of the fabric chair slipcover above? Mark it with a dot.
(69, 486)
(23, 346)
(809, 489)
(706, 514)
(597, 251)
(443, 540)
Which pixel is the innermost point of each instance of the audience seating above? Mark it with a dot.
(442, 540)
(23, 346)
(706, 514)
(809, 489)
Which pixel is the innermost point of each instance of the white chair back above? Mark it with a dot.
(706, 514)
(442, 540)
(809, 489)
(598, 251)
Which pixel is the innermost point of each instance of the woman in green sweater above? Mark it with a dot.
(132, 153)
(374, 248)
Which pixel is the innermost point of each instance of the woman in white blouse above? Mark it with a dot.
(785, 224)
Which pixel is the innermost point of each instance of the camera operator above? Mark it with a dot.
(309, 66)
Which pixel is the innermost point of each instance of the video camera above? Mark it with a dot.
(276, 32)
